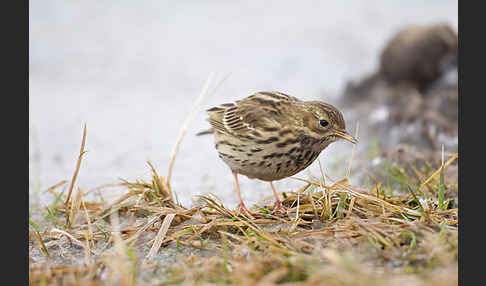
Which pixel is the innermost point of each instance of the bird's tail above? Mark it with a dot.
(205, 132)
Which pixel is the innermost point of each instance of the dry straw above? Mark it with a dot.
(190, 118)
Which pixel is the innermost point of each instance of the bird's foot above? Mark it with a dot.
(278, 207)
(241, 209)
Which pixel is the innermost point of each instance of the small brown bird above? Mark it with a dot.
(271, 136)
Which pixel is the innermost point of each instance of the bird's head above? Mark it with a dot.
(325, 122)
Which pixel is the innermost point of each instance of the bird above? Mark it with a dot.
(271, 136)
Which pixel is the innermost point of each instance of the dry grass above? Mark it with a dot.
(337, 233)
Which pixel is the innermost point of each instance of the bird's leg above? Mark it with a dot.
(241, 209)
(278, 207)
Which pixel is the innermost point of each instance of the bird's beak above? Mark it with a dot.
(345, 135)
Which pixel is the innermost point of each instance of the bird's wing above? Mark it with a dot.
(236, 119)
(259, 112)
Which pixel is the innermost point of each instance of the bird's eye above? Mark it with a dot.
(324, 123)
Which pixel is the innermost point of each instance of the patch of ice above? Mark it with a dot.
(380, 114)
(376, 161)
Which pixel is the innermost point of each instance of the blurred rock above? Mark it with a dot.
(413, 98)
(419, 55)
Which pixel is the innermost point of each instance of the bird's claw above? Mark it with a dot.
(278, 207)
(241, 209)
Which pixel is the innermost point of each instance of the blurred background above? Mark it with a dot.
(131, 70)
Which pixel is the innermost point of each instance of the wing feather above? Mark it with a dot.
(259, 111)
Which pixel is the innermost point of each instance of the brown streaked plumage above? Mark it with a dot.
(271, 136)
